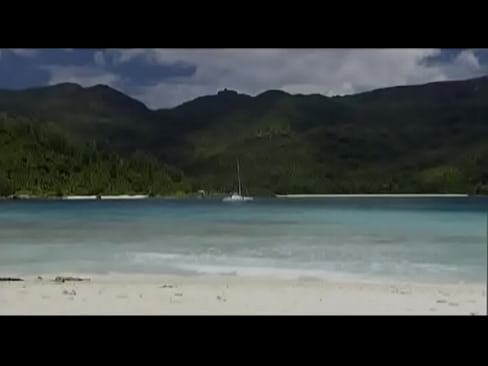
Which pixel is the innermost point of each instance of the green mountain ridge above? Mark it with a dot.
(39, 160)
(430, 138)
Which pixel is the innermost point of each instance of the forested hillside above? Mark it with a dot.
(429, 138)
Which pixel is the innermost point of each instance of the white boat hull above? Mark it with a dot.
(237, 198)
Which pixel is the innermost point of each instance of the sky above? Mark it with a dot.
(163, 78)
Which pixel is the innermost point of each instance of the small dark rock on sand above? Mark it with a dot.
(63, 279)
(72, 292)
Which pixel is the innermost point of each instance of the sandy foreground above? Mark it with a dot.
(228, 295)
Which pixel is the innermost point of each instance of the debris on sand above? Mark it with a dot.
(63, 279)
(221, 299)
(10, 279)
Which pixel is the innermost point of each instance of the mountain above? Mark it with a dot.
(39, 160)
(97, 112)
(422, 138)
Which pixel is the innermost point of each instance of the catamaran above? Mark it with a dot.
(237, 197)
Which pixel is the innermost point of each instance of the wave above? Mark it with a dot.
(207, 264)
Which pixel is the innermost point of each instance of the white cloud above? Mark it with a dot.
(252, 71)
(83, 75)
(324, 71)
(467, 58)
(99, 58)
(24, 52)
(464, 65)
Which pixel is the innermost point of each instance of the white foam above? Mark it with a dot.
(282, 273)
(149, 257)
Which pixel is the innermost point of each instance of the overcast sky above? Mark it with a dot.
(168, 77)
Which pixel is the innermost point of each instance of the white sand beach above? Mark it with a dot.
(103, 197)
(369, 195)
(224, 295)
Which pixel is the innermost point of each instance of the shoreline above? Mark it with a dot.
(219, 295)
(217, 196)
(106, 197)
(386, 195)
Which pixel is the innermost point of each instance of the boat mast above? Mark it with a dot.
(239, 177)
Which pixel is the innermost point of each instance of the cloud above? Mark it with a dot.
(167, 94)
(459, 64)
(94, 66)
(468, 58)
(99, 58)
(24, 52)
(83, 75)
(324, 71)
(168, 77)
(466, 62)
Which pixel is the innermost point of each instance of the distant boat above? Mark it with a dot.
(238, 197)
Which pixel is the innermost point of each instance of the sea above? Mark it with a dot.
(365, 239)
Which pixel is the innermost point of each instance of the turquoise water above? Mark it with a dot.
(339, 238)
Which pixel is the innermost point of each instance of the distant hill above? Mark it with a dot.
(39, 160)
(424, 138)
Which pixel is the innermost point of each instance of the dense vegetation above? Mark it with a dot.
(429, 138)
(39, 160)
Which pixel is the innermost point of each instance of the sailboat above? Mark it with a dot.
(238, 197)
